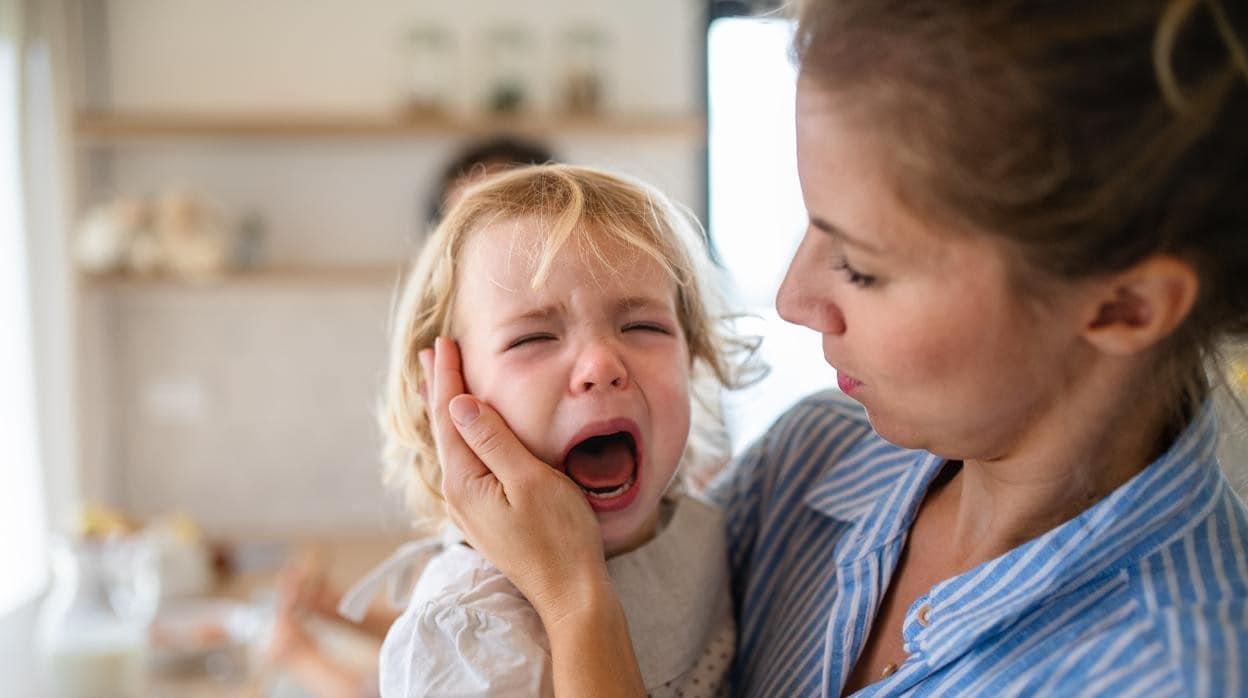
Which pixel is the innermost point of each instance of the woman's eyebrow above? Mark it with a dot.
(845, 238)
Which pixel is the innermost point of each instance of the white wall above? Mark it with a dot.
(228, 55)
(251, 407)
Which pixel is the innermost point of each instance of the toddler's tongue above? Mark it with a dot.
(602, 462)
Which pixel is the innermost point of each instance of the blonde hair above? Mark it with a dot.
(594, 207)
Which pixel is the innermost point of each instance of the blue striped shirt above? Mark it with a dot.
(1144, 593)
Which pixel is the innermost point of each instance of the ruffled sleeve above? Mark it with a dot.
(467, 632)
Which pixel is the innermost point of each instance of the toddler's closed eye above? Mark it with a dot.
(530, 339)
(646, 327)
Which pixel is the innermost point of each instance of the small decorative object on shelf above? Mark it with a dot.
(105, 236)
(179, 234)
(509, 53)
(194, 242)
(429, 67)
(583, 69)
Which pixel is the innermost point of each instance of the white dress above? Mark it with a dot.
(467, 631)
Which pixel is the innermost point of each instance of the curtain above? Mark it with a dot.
(21, 492)
(37, 428)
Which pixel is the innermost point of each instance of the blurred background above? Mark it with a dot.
(206, 208)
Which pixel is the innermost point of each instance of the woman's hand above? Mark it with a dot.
(534, 524)
(526, 517)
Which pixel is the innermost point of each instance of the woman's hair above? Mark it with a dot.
(1086, 135)
(597, 211)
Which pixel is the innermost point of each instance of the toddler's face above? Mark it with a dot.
(590, 370)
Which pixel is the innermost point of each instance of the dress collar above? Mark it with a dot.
(673, 589)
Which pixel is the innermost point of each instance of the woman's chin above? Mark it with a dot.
(894, 431)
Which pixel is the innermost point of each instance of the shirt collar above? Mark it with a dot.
(1159, 504)
(876, 485)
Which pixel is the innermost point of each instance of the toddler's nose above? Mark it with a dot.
(598, 366)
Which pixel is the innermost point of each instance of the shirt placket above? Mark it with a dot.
(860, 588)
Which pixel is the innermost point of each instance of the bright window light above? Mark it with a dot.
(22, 569)
(756, 212)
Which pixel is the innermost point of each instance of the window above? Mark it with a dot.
(22, 572)
(755, 206)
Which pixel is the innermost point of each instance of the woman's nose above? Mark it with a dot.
(598, 366)
(805, 295)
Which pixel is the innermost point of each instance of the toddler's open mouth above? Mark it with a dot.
(605, 465)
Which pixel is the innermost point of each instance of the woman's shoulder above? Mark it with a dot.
(1192, 591)
(1203, 563)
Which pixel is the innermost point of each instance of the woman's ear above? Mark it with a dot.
(1135, 309)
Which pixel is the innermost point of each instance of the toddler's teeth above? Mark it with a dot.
(612, 493)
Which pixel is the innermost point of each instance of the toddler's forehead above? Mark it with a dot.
(517, 246)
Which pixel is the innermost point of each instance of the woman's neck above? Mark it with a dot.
(1071, 458)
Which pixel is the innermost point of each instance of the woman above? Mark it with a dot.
(1028, 236)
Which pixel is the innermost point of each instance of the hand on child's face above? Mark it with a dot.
(591, 352)
(532, 522)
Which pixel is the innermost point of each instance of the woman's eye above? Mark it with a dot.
(854, 276)
(530, 339)
(646, 327)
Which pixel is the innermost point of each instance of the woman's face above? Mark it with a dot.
(920, 322)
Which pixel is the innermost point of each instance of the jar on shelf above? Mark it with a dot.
(510, 69)
(583, 76)
(92, 636)
(429, 66)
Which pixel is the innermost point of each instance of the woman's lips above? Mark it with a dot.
(847, 383)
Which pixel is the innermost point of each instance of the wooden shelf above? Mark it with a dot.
(305, 277)
(103, 128)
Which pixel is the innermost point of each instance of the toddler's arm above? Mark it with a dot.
(533, 524)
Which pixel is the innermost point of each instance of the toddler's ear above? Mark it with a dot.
(1135, 309)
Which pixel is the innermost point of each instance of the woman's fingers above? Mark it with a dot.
(459, 463)
(525, 516)
(489, 437)
(475, 442)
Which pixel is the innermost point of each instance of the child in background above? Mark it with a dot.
(583, 310)
(478, 161)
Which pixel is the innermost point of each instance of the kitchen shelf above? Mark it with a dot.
(301, 277)
(104, 128)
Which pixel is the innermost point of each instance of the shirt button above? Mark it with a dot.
(922, 615)
(889, 670)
